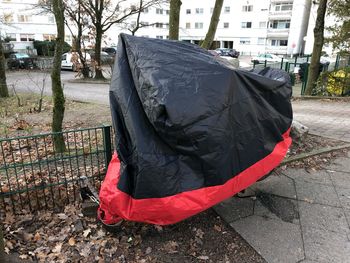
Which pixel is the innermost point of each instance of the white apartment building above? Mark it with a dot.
(250, 26)
(23, 23)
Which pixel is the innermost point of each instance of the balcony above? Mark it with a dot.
(276, 49)
(273, 15)
(276, 32)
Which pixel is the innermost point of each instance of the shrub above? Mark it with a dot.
(334, 83)
(47, 48)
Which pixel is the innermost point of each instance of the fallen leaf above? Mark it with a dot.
(62, 216)
(86, 232)
(23, 256)
(171, 247)
(57, 248)
(203, 257)
(217, 228)
(37, 236)
(71, 241)
(148, 250)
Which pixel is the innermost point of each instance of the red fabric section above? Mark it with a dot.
(115, 204)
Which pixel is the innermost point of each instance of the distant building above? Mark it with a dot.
(250, 26)
(24, 23)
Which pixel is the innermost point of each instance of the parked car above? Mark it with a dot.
(20, 60)
(105, 57)
(71, 60)
(261, 58)
(112, 51)
(227, 52)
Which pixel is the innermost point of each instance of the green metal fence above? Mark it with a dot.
(34, 176)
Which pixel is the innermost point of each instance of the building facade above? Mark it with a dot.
(250, 26)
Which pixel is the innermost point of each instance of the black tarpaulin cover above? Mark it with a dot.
(190, 131)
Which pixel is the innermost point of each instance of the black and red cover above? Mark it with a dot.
(190, 131)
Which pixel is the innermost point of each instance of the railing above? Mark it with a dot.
(33, 175)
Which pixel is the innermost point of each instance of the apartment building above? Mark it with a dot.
(250, 26)
(23, 22)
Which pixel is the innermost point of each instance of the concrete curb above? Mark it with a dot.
(321, 98)
(313, 153)
(81, 81)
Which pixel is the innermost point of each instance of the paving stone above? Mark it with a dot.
(317, 193)
(340, 178)
(323, 217)
(344, 196)
(325, 246)
(275, 240)
(261, 210)
(277, 185)
(340, 164)
(235, 208)
(320, 177)
(284, 208)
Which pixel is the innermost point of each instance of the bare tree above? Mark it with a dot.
(141, 8)
(57, 89)
(317, 49)
(215, 17)
(3, 85)
(174, 19)
(104, 14)
(76, 16)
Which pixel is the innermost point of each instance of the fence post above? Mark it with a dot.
(306, 73)
(107, 144)
(281, 64)
(286, 68)
(337, 62)
(265, 62)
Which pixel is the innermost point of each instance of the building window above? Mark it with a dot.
(166, 25)
(27, 37)
(145, 10)
(24, 18)
(199, 10)
(280, 24)
(283, 43)
(167, 12)
(188, 11)
(11, 36)
(247, 8)
(261, 41)
(227, 9)
(159, 25)
(283, 7)
(262, 24)
(68, 38)
(159, 11)
(279, 43)
(198, 25)
(226, 25)
(246, 25)
(51, 19)
(244, 41)
(159, 37)
(8, 18)
(188, 25)
(144, 23)
(49, 37)
(211, 10)
(167, 37)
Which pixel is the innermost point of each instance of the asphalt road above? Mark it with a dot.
(32, 81)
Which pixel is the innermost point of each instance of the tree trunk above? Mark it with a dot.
(3, 86)
(98, 68)
(317, 49)
(215, 17)
(174, 19)
(57, 89)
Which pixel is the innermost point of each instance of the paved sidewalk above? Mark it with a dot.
(297, 216)
(326, 118)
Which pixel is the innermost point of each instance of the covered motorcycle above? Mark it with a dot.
(189, 130)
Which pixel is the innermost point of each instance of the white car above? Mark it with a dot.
(268, 58)
(71, 60)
